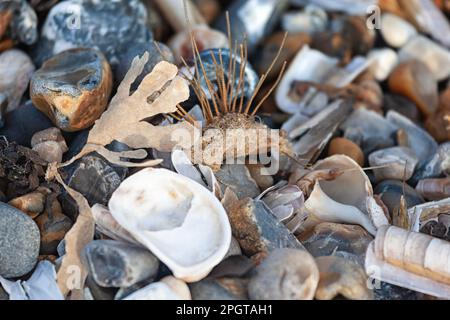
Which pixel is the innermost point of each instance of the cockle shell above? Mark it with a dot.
(180, 221)
(346, 199)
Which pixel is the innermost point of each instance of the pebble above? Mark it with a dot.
(310, 20)
(399, 162)
(22, 123)
(413, 80)
(16, 69)
(348, 148)
(395, 30)
(391, 191)
(157, 52)
(73, 88)
(383, 61)
(95, 179)
(347, 241)
(53, 226)
(257, 229)
(210, 289)
(117, 264)
(286, 274)
(339, 276)
(418, 139)
(438, 164)
(238, 178)
(49, 144)
(23, 25)
(19, 242)
(32, 203)
(402, 105)
(433, 55)
(110, 26)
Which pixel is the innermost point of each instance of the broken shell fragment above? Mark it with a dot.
(414, 80)
(395, 30)
(286, 274)
(180, 221)
(433, 55)
(73, 88)
(412, 260)
(355, 204)
(398, 163)
(434, 189)
(117, 264)
(383, 61)
(339, 276)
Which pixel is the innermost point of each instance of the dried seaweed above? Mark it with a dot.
(159, 93)
(20, 167)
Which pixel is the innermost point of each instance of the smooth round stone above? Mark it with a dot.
(16, 69)
(23, 23)
(19, 242)
(396, 31)
(118, 264)
(22, 123)
(399, 162)
(391, 192)
(433, 55)
(110, 26)
(348, 148)
(401, 105)
(415, 81)
(73, 88)
(209, 289)
(286, 274)
(383, 61)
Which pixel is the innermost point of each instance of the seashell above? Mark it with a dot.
(117, 264)
(310, 138)
(339, 276)
(411, 260)
(434, 189)
(433, 55)
(329, 202)
(396, 31)
(413, 80)
(169, 288)
(382, 62)
(205, 38)
(106, 224)
(312, 19)
(311, 65)
(180, 221)
(435, 229)
(287, 204)
(399, 162)
(286, 274)
(201, 174)
(346, 147)
(425, 212)
(16, 69)
(418, 139)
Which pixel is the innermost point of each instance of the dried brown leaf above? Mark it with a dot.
(73, 272)
(159, 93)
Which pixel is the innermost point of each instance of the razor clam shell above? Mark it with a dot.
(177, 219)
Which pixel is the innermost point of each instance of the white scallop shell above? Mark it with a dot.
(346, 199)
(176, 218)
